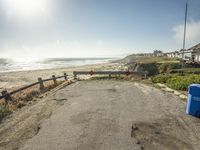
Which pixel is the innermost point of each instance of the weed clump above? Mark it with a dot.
(4, 111)
(22, 98)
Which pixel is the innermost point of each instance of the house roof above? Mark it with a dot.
(196, 47)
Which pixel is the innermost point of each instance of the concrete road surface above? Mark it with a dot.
(116, 115)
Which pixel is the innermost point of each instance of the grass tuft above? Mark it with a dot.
(21, 99)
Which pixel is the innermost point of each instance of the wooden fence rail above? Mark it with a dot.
(7, 95)
(144, 73)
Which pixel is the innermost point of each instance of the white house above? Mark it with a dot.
(192, 54)
(175, 54)
(169, 54)
(195, 50)
(186, 55)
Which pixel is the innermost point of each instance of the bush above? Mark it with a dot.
(182, 82)
(152, 68)
(167, 67)
(177, 82)
(186, 71)
(4, 111)
(155, 68)
(161, 78)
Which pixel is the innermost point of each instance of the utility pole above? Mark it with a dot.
(185, 27)
(186, 9)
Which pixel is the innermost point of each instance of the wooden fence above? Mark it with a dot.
(7, 95)
(143, 74)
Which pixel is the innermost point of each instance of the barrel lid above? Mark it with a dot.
(194, 89)
(195, 85)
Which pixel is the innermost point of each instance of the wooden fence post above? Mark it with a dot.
(54, 80)
(65, 76)
(7, 95)
(75, 76)
(41, 84)
(145, 76)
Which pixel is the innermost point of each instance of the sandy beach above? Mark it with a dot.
(10, 80)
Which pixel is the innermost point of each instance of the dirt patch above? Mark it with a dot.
(165, 134)
(60, 101)
(18, 137)
(84, 117)
(112, 90)
(25, 123)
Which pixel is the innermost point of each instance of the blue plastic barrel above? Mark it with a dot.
(193, 103)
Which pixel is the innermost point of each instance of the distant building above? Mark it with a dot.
(172, 54)
(169, 54)
(195, 53)
(191, 55)
(181, 54)
(145, 54)
(175, 54)
(157, 53)
(186, 55)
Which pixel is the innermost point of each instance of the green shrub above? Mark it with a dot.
(167, 67)
(182, 82)
(152, 68)
(160, 78)
(156, 68)
(4, 111)
(186, 71)
(177, 82)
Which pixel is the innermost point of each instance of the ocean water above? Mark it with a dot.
(10, 65)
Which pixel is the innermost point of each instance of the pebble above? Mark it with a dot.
(161, 85)
(169, 90)
(177, 93)
(183, 96)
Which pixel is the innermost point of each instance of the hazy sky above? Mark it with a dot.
(88, 28)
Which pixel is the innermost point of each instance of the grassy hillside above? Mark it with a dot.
(148, 59)
(166, 70)
(154, 65)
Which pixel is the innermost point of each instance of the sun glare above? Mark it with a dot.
(26, 7)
